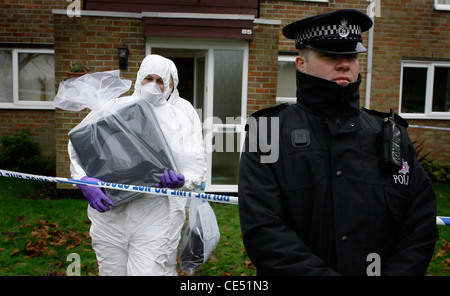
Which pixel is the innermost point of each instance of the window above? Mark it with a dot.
(442, 4)
(425, 90)
(28, 78)
(286, 85)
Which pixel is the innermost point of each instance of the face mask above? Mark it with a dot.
(151, 92)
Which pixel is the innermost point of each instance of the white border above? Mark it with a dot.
(178, 15)
(428, 114)
(100, 13)
(437, 6)
(216, 16)
(287, 58)
(16, 103)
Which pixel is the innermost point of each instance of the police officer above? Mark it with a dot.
(334, 201)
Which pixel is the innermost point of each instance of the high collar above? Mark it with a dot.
(327, 97)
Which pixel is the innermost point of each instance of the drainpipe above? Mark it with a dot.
(369, 65)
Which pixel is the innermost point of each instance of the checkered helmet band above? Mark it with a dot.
(328, 32)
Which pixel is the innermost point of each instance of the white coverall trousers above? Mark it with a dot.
(132, 239)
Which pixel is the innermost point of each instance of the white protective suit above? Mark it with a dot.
(141, 237)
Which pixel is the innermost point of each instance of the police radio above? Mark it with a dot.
(391, 143)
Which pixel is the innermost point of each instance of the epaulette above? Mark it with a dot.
(267, 112)
(397, 117)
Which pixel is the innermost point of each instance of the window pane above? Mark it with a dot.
(286, 85)
(36, 77)
(441, 89)
(228, 65)
(414, 89)
(225, 165)
(6, 83)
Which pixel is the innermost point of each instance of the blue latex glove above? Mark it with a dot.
(95, 196)
(170, 180)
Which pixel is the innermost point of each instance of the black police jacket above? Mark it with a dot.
(322, 204)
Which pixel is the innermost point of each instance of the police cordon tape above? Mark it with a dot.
(125, 187)
(443, 220)
(151, 190)
(430, 127)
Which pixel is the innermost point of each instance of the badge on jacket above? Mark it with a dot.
(300, 138)
(403, 174)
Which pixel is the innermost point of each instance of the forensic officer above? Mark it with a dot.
(346, 194)
(141, 237)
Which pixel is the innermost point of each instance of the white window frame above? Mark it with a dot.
(439, 6)
(428, 113)
(16, 103)
(290, 100)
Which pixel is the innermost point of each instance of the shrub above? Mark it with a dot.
(437, 170)
(20, 153)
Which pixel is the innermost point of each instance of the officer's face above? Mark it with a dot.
(154, 78)
(342, 69)
(158, 80)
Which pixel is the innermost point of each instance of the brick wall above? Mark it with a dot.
(28, 21)
(39, 123)
(263, 67)
(92, 41)
(436, 142)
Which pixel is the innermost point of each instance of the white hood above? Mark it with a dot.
(154, 64)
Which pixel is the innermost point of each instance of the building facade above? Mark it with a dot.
(232, 60)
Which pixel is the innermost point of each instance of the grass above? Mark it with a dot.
(439, 265)
(229, 258)
(38, 234)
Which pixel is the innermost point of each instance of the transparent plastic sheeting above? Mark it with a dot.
(200, 237)
(120, 140)
(92, 91)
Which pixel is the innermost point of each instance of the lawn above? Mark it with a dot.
(440, 264)
(37, 234)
